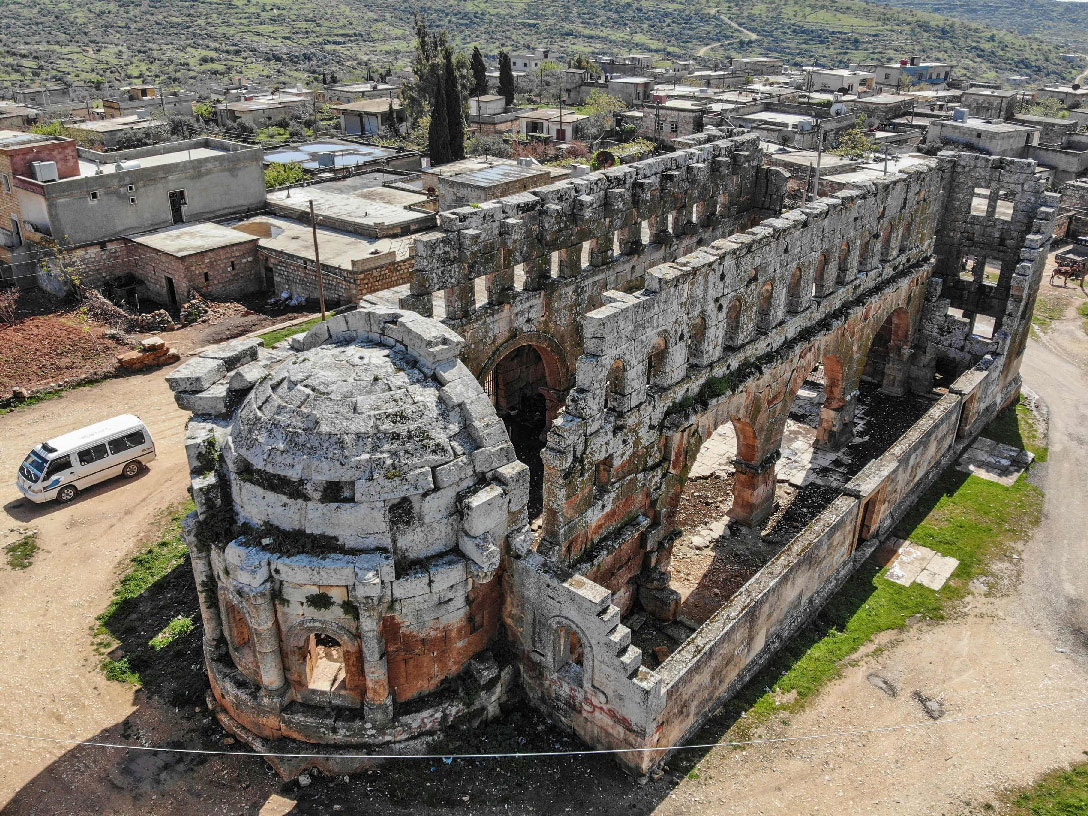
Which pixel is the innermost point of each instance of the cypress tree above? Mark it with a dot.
(506, 77)
(479, 73)
(455, 114)
(438, 135)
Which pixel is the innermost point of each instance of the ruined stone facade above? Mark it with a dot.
(357, 488)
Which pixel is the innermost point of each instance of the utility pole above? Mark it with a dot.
(317, 261)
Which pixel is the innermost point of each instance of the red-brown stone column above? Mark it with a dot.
(753, 490)
(836, 428)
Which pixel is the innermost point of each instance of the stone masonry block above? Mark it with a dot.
(484, 510)
(196, 374)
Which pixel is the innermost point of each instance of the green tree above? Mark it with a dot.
(204, 110)
(506, 77)
(479, 73)
(855, 143)
(455, 113)
(438, 135)
(419, 94)
(1047, 106)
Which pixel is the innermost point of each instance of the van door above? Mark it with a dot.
(96, 465)
(58, 473)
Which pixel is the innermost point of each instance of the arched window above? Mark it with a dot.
(886, 242)
(695, 340)
(655, 361)
(793, 293)
(818, 277)
(570, 656)
(615, 386)
(766, 300)
(325, 663)
(732, 322)
(844, 256)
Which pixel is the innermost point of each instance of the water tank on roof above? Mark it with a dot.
(326, 160)
(44, 171)
(959, 115)
(525, 161)
(143, 114)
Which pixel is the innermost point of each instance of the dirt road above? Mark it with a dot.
(50, 683)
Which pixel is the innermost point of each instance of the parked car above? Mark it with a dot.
(59, 468)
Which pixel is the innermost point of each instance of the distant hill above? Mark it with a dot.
(1063, 22)
(197, 43)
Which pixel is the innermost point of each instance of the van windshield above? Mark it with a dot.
(33, 467)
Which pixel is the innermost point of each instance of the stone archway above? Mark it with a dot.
(527, 380)
(305, 644)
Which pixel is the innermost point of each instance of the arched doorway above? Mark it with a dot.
(526, 381)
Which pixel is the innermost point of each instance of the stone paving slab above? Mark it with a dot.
(909, 563)
(915, 564)
(995, 461)
(937, 571)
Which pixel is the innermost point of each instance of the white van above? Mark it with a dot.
(61, 467)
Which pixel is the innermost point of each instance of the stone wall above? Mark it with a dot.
(664, 367)
(537, 261)
(297, 275)
(225, 272)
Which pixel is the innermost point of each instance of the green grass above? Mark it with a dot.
(148, 566)
(271, 338)
(20, 554)
(1082, 310)
(1046, 312)
(961, 515)
(1058, 793)
(178, 627)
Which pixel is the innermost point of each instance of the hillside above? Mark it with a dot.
(1064, 22)
(197, 43)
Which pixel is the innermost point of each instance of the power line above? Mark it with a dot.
(860, 732)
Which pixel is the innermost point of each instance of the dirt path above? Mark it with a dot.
(706, 48)
(50, 683)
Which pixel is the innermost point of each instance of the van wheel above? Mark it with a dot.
(66, 494)
(131, 469)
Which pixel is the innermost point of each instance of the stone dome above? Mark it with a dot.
(367, 429)
(356, 412)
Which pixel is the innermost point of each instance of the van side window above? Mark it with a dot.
(58, 465)
(93, 454)
(126, 442)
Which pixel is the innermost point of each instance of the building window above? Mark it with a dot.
(93, 195)
(132, 199)
(232, 266)
(132, 188)
(206, 278)
(6, 182)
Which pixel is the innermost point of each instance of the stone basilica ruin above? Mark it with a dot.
(619, 438)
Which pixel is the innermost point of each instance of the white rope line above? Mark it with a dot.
(584, 752)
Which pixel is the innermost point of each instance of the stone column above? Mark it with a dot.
(836, 428)
(266, 638)
(538, 269)
(897, 371)
(209, 609)
(460, 300)
(753, 490)
(378, 704)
